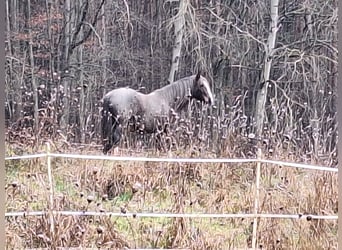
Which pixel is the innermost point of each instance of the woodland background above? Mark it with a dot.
(63, 56)
(273, 69)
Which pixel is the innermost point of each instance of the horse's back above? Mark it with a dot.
(120, 95)
(122, 100)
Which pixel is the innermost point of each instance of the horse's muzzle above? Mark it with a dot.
(209, 101)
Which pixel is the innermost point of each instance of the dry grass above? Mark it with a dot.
(89, 185)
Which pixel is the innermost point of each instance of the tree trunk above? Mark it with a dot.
(104, 42)
(269, 47)
(179, 23)
(14, 44)
(10, 65)
(65, 61)
(82, 102)
(33, 77)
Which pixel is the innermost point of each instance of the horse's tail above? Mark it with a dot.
(109, 126)
(106, 124)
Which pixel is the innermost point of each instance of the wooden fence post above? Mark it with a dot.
(256, 198)
(51, 193)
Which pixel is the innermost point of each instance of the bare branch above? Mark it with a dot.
(86, 36)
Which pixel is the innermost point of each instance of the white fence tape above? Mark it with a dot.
(152, 159)
(166, 215)
(299, 165)
(25, 157)
(176, 160)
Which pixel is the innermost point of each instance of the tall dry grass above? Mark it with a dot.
(91, 185)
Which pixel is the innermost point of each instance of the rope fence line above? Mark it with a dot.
(171, 215)
(255, 215)
(299, 165)
(174, 160)
(22, 157)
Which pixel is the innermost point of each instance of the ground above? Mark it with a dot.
(97, 185)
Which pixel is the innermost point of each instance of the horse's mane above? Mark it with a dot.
(177, 93)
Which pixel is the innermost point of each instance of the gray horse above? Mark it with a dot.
(123, 104)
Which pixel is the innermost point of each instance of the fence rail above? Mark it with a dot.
(173, 160)
(255, 215)
(167, 215)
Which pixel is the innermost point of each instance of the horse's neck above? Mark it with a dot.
(176, 95)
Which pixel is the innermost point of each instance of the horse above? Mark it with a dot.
(126, 104)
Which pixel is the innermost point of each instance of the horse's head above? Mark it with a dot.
(201, 90)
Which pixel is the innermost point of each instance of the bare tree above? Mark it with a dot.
(274, 72)
(33, 77)
(66, 52)
(178, 23)
(269, 50)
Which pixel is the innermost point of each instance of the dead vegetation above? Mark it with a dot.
(151, 187)
(53, 92)
(91, 185)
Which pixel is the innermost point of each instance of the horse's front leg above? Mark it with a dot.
(160, 139)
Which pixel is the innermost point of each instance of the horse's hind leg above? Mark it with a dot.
(113, 138)
(107, 146)
(116, 135)
(107, 140)
(106, 129)
(111, 130)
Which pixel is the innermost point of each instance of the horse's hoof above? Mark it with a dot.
(106, 149)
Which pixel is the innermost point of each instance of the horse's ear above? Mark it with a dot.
(198, 76)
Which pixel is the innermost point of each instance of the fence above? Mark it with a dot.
(254, 215)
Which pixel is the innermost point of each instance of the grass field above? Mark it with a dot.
(94, 185)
